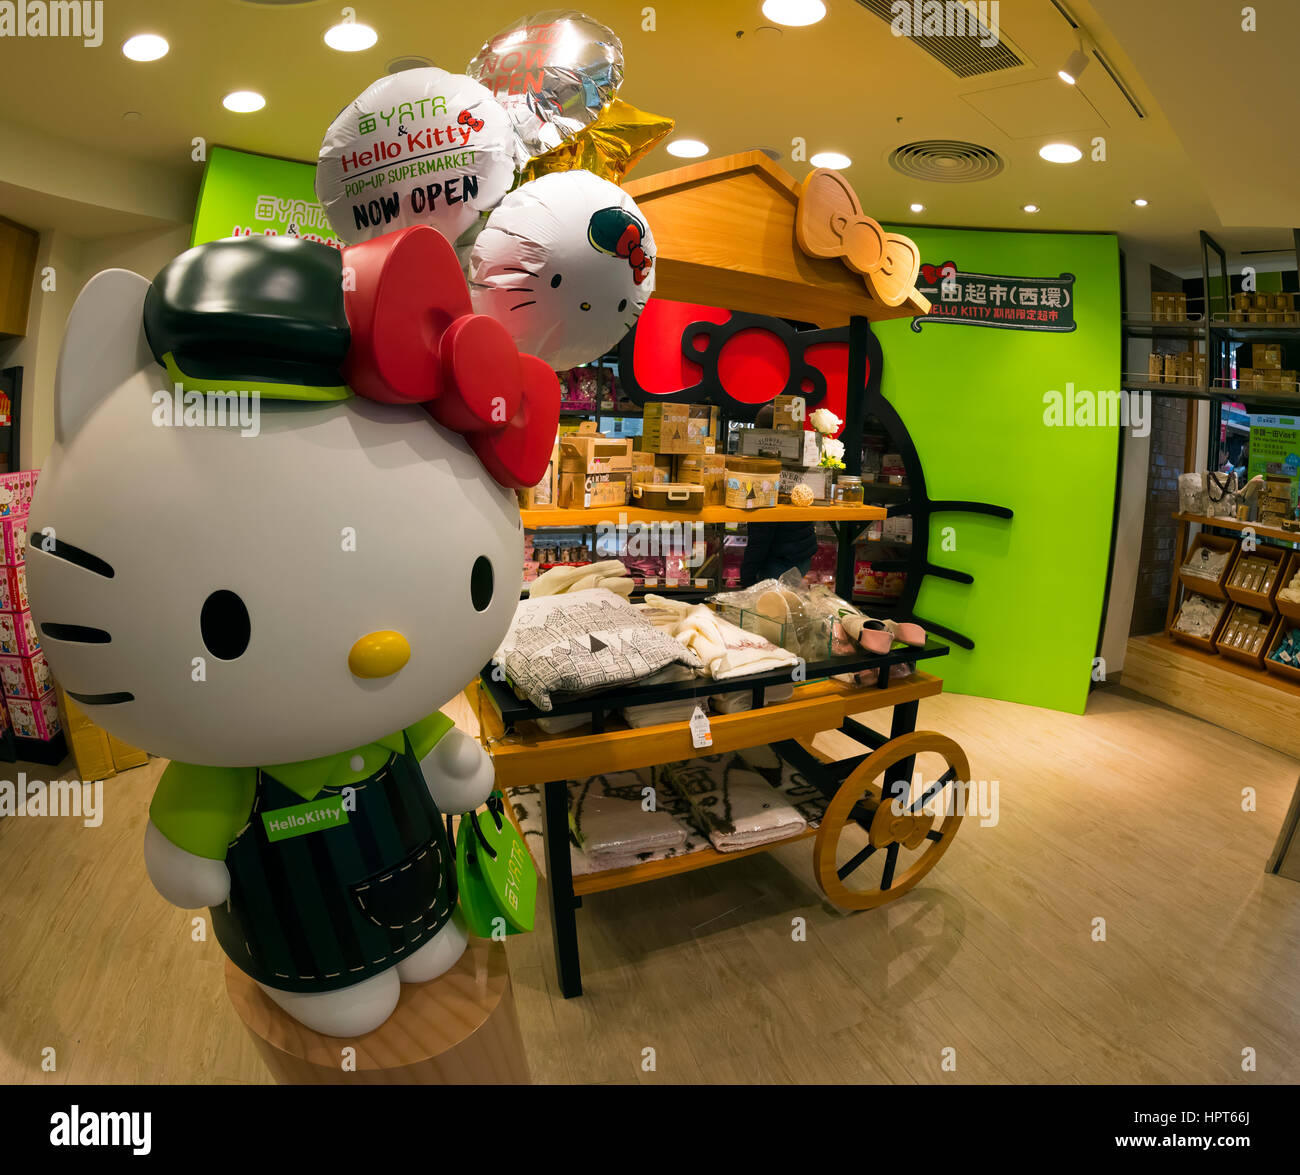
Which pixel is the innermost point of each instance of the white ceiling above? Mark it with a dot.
(1214, 151)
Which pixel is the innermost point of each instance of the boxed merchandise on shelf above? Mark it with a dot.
(789, 413)
(705, 469)
(1256, 577)
(1266, 355)
(801, 448)
(579, 491)
(1277, 499)
(36, 718)
(679, 428)
(652, 468)
(13, 540)
(18, 634)
(1283, 658)
(675, 495)
(595, 470)
(1246, 635)
(1199, 620)
(1208, 565)
(819, 480)
(542, 496)
(25, 676)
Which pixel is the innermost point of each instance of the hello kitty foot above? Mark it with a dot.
(437, 956)
(350, 1011)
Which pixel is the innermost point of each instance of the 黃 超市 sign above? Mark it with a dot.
(1001, 301)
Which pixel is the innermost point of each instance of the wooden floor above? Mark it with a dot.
(1132, 814)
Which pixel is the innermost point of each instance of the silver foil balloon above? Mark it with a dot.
(554, 72)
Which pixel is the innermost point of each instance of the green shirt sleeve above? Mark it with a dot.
(201, 809)
(426, 733)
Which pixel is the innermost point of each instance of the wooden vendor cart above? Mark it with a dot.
(742, 234)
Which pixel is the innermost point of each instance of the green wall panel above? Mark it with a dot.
(973, 400)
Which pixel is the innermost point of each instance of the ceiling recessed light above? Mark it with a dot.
(1060, 153)
(1141, 203)
(1075, 64)
(918, 207)
(794, 13)
(145, 47)
(243, 101)
(1030, 208)
(687, 148)
(350, 37)
(832, 159)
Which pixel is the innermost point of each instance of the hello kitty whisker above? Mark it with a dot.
(523, 304)
(43, 540)
(78, 633)
(114, 699)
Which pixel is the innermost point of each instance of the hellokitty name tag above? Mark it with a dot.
(507, 866)
(300, 819)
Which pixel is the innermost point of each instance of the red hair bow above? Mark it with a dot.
(465, 118)
(416, 339)
(629, 246)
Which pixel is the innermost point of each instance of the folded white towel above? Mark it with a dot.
(725, 649)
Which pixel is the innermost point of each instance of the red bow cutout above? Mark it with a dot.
(416, 339)
(629, 246)
(465, 118)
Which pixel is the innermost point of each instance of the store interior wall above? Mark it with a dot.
(973, 400)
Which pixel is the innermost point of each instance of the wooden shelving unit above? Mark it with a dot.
(1276, 533)
(619, 515)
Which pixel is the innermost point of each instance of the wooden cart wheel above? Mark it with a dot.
(911, 829)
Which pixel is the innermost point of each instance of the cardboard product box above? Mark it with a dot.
(1259, 301)
(1243, 301)
(1155, 368)
(651, 468)
(679, 428)
(792, 448)
(1171, 369)
(789, 413)
(588, 452)
(542, 495)
(1276, 316)
(25, 677)
(1281, 301)
(18, 635)
(586, 491)
(1177, 307)
(1287, 380)
(1201, 371)
(753, 483)
(1159, 305)
(708, 470)
(13, 589)
(13, 540)
(818, 480)
(38, 718)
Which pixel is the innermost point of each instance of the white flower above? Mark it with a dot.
(825, 421)
(832, 448)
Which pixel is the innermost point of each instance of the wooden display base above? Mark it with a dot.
(1227, 693)
(458, 1029)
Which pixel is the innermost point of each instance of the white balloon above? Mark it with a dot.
(566, 264)
(423, 146)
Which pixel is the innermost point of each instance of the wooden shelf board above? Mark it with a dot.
(1261, 531)
(618, 515)
(532, 756)
(704, 858)
(1227, 693)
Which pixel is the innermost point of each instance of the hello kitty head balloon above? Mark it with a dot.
(566, 264)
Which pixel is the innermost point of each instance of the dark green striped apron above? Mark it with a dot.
(328, 908)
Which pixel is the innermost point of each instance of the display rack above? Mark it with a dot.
(726, 233)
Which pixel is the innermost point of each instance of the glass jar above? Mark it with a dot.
(849, 491)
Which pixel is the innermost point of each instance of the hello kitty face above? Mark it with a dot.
(566, 264)
(204, 590)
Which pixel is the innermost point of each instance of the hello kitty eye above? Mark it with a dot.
(225, 625)
(555, 281)
(622, 305)
(481, 583)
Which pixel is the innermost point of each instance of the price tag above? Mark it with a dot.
(701, 735)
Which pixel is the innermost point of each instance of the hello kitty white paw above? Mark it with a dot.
(185, 880)
(459, 773)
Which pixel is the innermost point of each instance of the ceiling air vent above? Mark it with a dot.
(968, 54)
(946, 161)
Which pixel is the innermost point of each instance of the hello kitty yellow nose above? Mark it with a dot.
(379, 654)
(586, 305)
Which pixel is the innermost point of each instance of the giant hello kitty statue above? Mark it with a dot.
(280, 603)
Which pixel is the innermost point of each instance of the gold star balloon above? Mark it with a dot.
(610, 147)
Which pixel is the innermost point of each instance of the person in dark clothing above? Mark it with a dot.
(772, 548)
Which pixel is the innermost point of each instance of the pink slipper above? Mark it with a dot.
(909, 634)
(872, 635)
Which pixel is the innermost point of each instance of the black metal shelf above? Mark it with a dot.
(514, 709)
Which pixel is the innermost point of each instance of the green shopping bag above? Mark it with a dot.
(494, 872)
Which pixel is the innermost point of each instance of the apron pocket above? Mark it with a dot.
(403, 895)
